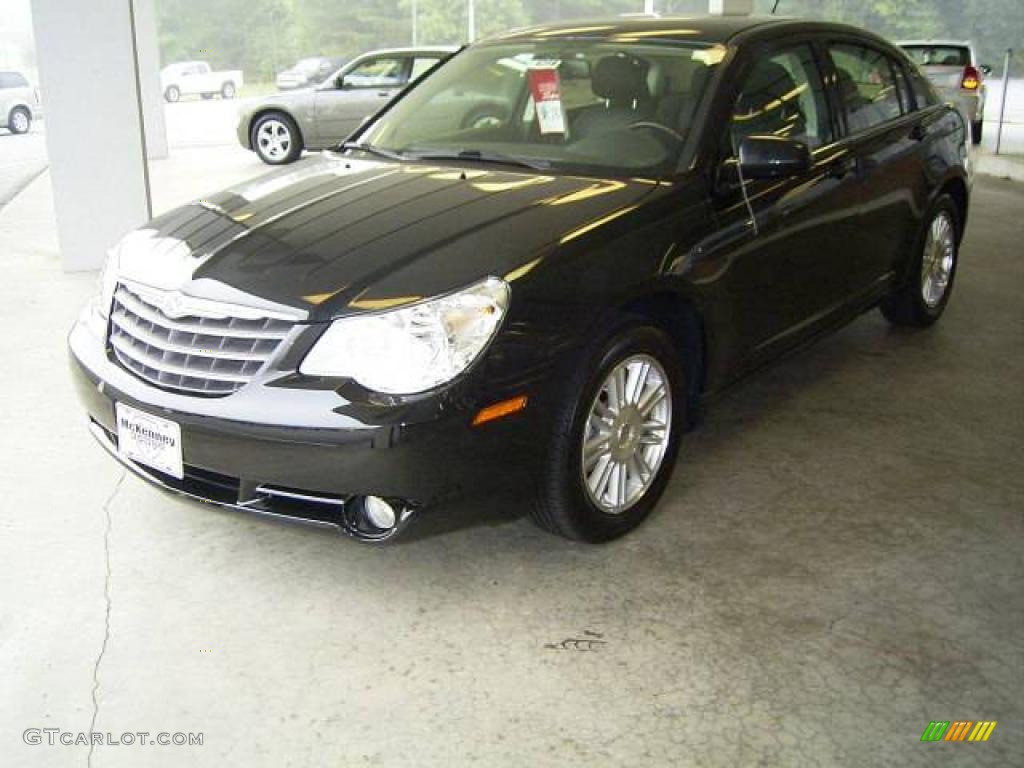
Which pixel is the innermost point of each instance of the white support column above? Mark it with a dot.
(731, 7)
(94, 128)
(149, 78)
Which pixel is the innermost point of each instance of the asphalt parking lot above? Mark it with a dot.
(837, 562)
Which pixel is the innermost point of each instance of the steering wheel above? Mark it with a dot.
(658, 128)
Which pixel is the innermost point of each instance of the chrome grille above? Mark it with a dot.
(211, 356)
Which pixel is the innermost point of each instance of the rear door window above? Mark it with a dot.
(867, 86)
(924, 94)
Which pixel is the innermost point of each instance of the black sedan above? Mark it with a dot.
(638, 214)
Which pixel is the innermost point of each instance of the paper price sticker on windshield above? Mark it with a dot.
(547, 98)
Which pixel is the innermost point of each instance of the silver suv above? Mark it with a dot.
(952, 67)
(19, 102)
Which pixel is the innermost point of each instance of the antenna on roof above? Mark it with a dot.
(776, 6)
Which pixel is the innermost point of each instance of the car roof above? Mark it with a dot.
(707, 28)
(714, 29)
(949, 43)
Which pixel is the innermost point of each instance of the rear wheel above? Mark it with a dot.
(615, 437)
(19, 121)
(976, 131)
(172, 94)
(276, 139)
(227, 91)
(920, 301)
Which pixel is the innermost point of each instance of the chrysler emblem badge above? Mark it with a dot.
(174, 305)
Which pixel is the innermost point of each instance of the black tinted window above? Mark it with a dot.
(924, 94)
(783, 96)
(867, 86)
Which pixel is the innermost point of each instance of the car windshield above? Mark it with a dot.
(588, 107)
(939, 55)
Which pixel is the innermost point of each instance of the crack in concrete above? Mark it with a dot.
(106, 619)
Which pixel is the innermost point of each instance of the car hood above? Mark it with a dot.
(335, 235)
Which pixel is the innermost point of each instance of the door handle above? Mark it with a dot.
(383, 94)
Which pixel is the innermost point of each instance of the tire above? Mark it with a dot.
(922, 297)
(570, 499)
(276, 139)
(976, 131)
(228, 90)
(19, 120)
(172, 94)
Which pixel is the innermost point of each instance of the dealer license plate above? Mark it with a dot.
(149, 440)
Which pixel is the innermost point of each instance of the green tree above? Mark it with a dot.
(447, 21)
(251, 35)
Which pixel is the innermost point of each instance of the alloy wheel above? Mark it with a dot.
(19, 122)
(626, 434)
(938, 259)
(274, 139)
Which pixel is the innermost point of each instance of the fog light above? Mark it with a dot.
(379, 513)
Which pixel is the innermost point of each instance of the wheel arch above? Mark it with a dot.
(675, 314)
(956, 188)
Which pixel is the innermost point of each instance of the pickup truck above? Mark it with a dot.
(193, 78)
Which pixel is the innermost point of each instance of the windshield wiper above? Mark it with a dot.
(482, 157)
(372, 150)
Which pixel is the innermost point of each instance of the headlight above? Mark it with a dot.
(413, 349)
(108, 281)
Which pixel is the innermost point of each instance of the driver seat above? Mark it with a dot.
(622, 82)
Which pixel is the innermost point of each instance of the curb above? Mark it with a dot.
(1002, 166)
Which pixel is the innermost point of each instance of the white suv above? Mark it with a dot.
(952, 67)
(19, 102)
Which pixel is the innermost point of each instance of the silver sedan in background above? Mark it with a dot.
(952, 67)
(277, 128)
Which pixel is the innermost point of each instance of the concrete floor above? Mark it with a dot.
(837, 562)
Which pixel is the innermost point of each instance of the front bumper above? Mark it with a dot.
(299, 452)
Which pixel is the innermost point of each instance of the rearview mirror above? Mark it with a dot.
(773, 157)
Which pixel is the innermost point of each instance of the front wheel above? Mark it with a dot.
(19, 121)
(227, 91)
(923, 296)
(615, 437)
(172, 94)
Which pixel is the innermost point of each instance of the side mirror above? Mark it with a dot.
(772, 157)
(339, 83)
(985, 69)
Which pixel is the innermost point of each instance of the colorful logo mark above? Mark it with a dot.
(958, 730)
